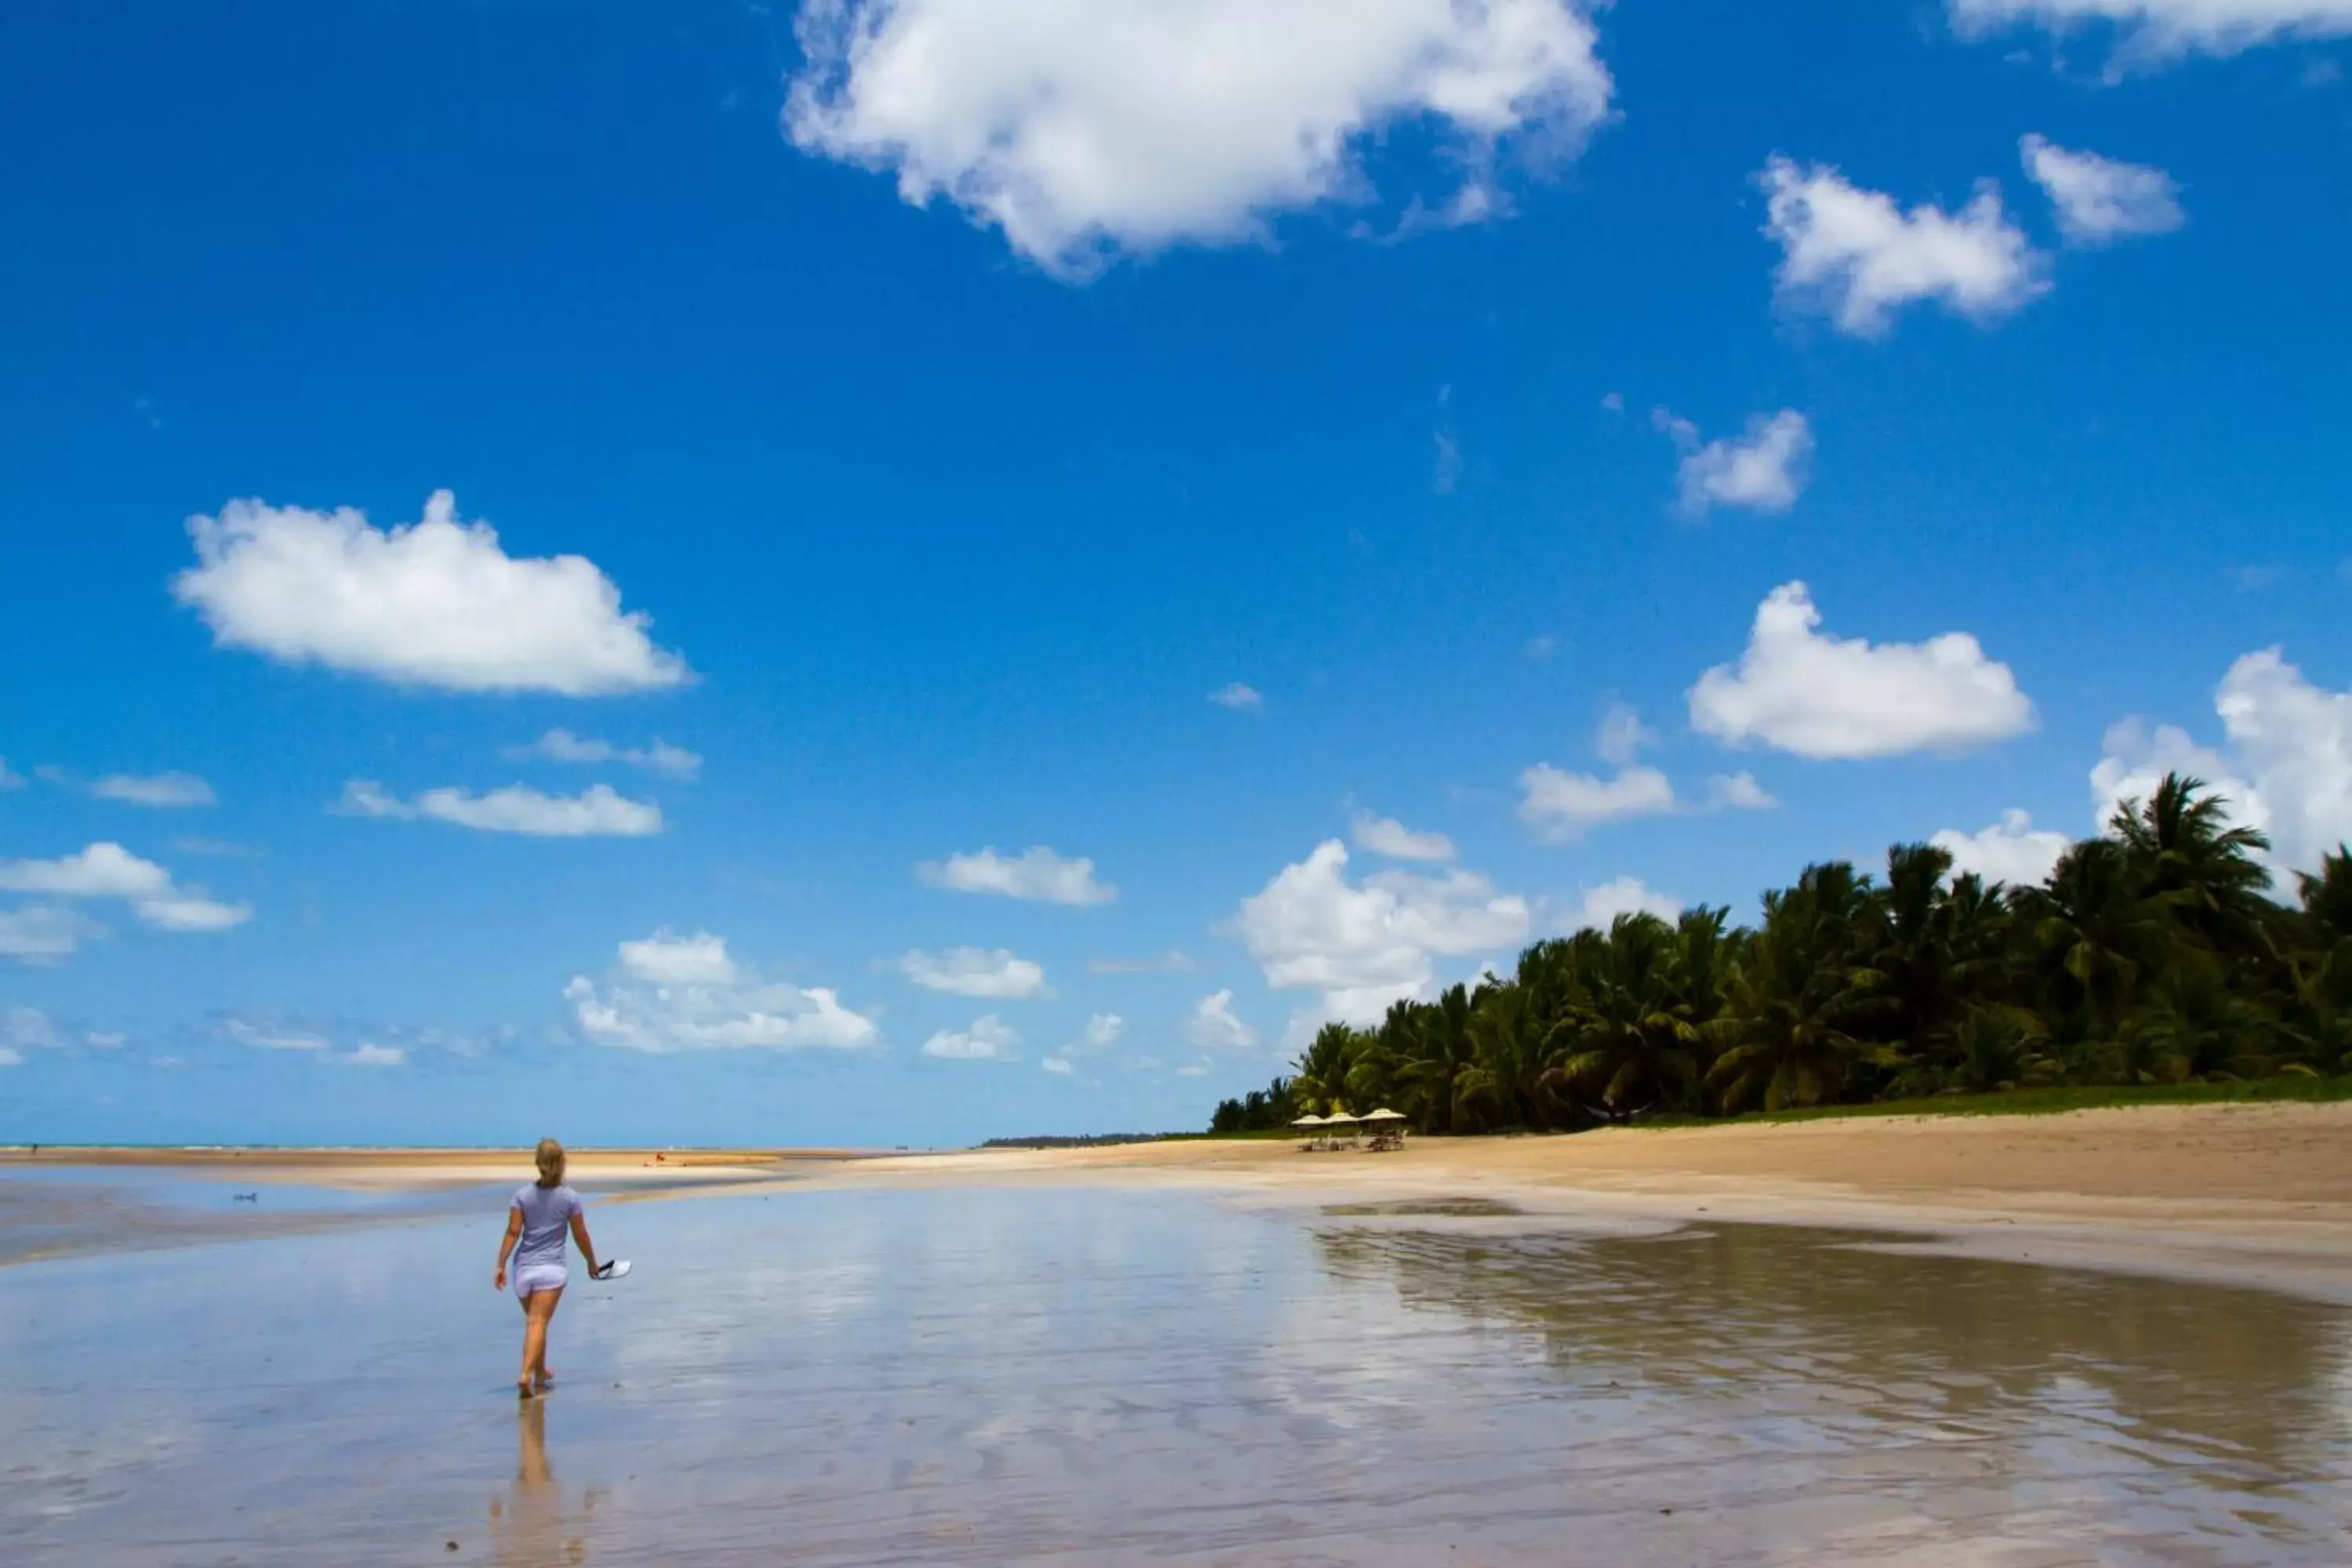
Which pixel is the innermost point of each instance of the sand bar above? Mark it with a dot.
(2247, 1194)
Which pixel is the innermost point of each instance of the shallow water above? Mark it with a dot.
(61, 1210)
(984, 1377)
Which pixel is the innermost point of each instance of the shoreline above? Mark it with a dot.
(2248, 1195)
(367, 1169)
(2256, 1195)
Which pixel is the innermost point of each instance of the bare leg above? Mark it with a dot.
(537, 1312)
(547, 1319)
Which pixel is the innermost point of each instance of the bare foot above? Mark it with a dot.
(522, 1388)
(545, 1379)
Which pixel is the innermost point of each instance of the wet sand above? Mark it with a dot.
(2246, 1193)
(1476, 1351)
(1079, 1375)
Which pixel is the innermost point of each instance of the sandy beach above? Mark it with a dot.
(2249, 1194)
(2106, 1337)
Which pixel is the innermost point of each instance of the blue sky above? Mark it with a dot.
(1378, 483)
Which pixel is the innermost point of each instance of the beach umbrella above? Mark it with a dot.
(1384, 1114)
(1309, 1120)
(1341, 1119)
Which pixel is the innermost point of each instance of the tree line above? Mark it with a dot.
(2154, 953)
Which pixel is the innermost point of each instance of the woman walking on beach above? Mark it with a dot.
(536, 1222)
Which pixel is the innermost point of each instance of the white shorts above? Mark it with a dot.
(533, 1277)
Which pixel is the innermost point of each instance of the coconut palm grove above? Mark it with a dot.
(2159, 952)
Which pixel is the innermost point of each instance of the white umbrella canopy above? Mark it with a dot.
(1309, 1120)
(1341, 1119)
(1383, 1114)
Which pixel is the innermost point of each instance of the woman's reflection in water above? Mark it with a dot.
(529, 1527)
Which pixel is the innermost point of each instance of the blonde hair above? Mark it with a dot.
(549, 1157)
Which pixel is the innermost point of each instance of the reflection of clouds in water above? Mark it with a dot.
(1346, 1358)
(698, 1328)
(967, 1377)
(2039, 1405)
(70, 1449)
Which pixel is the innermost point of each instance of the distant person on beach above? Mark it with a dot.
(536, 1222)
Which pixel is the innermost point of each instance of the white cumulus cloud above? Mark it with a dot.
(667, 959)
(976, 972)
(1213, 1027)
(1241, 699)
(1364, 945)
(434, 603)
(1621, 734)
(1764, 468)
(597, 812)
(2098, 199)
(105, 870)
(371, 1055)
(990, 1039)
(2160, 29)
(1082, 129)
(1036, 873)
(1739, 792)
(676, 993)
(43, 936)
(2295, 740)
(192, 911)
(563, 746)
(2285, 768)
(28, 1028)
(1826, 696)
(1561, 806)
(1855, 256)
(1387, 835)
(1600, 906)
(102, 870)
(1103, 1031)
(154, 789)
(2011, 850)
(2133, 759)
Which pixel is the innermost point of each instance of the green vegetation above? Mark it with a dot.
(2151, 967)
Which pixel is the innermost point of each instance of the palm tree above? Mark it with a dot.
(2327, 896)
(2092, 920)
(2317, 1031)
(1320, 1078)
(1915, 951)
(1426, 1045)
(2149, 954)
(1705, 956)
(1633, 1039)
(2001, 1047)
(1505, 1084)
(1801, 1005)
(2194, 1027)
(2180, 845)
